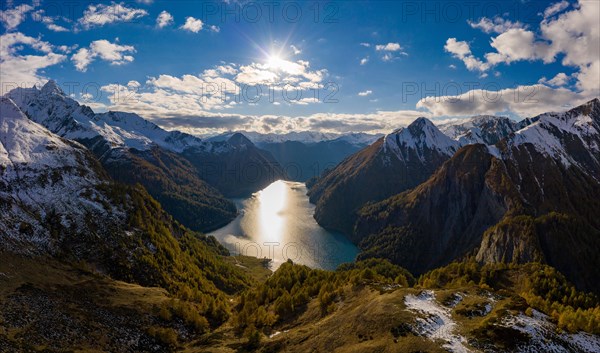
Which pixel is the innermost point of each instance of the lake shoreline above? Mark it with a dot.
(277, 223)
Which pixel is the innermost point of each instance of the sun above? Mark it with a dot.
(275, 61)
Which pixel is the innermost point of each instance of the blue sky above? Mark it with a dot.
(376, 65)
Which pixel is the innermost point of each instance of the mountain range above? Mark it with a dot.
(422, 196)
(57, 199)
(306, 155)
(92, 261)
(190, 177)
(498, 190)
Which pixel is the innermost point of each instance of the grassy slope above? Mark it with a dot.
(369, 312)
(54, 305)
(48, 305)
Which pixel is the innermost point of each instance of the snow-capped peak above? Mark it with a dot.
(359, 138)
(239, 140)
(554, 133)
(485, 129)
(51, 87)
(299, 136)
(421, 135)
(42, 174)
(22, 141)
(64, 116)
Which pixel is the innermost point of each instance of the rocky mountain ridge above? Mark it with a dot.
(531, 197)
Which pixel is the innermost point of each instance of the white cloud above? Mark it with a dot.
(304, 101)
(575, 33)
(145, 2)
(192, 84)
(218, 88)
(462, 51)
(388, 47)
(452, 66)
(114, 53)
(256, 74)
(522, 100)
(559, 80)
(495, 25)
(227, 69)
(366, 45)
(280, 72)
(295, 50)
(82, 59)
(387, 57)
(555, 8)
(588, 78)
(193, 25)
(100, 14)
(365, 93)
(215, 29)
(12, 18)
(24, 70)
(164, 19)
(365, 60)
(518, 44)
(177, 103)
(56, 28)
(40, 16)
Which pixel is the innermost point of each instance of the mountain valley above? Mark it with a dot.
(498, 250)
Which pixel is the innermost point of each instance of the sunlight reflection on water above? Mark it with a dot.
(277, 223)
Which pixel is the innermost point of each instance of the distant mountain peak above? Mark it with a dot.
(67, 118)
(238, 139)
(592, 103)
(419, 136)
(423, 126)
(51, 87)
(421, 121)
(485, 129)
(488, 118)
(588, 108)
(571, 137)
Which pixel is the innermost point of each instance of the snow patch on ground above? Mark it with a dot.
(494, 151)
(436, 323)
(457, 298)
(545, 337)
